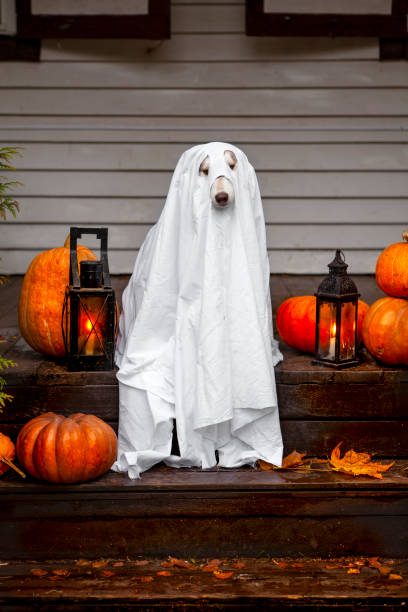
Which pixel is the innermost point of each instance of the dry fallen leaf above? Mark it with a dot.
(38, 572)
(164, 573)
(82, 562)
(141, 562)
(280, 564)
(356, 463)
(61, 572)
(238, 564)
(172, 562)
(384, 570)
(146, 578)
(118, 564)
(294, 459)
(209, 568)
(395, 577)
(108, 574)
(100, 563)
(222, 575)
(353, 570)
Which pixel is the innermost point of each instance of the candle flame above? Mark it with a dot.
(88, 325)
(333, 330)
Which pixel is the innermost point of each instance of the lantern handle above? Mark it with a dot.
(102, 234)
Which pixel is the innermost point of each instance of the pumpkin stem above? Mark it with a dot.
(67, 243)
(11, 464)
(405, 235)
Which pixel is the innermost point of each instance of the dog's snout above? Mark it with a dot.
(221, 198)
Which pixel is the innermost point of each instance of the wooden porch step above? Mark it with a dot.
(193, 513)
(347, 584)
(366, 406)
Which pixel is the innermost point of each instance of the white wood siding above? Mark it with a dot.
(103, 122)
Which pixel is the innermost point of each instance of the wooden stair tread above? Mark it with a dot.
(298, 582)
(162, 479)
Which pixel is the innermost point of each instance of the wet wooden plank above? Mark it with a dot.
(165, 479)
(266, 583)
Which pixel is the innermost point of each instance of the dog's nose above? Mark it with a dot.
(221, 198)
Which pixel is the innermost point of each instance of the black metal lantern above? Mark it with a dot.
(336, 317)
(89, 316)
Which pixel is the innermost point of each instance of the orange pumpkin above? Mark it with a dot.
(42, 298)
(70, 449)
(392, 269)
(296, 322)
(7, 453)
(385, 330)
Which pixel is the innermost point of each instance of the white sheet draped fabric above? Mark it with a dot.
(196, 341)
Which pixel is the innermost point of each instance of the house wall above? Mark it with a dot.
(103, 122)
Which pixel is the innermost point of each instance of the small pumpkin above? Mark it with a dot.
(7, 455)
(296, 322)
(392, 269)
(385, 330)
(70, 449)
(42, 297)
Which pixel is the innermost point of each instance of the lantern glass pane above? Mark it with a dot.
(92, 325)
(327, 331)
(348, 331)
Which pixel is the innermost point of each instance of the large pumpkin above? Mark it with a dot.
(42, 298)
(392, 269)
(296, 322)
(385, 330)
(70, 449)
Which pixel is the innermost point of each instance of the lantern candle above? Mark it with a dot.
(336, 317)
(332, 344)
(89, 316)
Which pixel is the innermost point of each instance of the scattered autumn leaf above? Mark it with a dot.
(215, 561)
(294, 459)
(395, 577)
(238, 564)
(108, 574)
(53, 577)
(118, 564)
(100, 563)
(384, 570)
(280, 564)
(141, 562)
(4, 563)
(172, 562)
(164, 573)
(222, 575)
(146, 578)
(297, 565)
(38, 572)
(61, 572)
(356, 463)
(82, 562)
(353, 570)
(209, 568)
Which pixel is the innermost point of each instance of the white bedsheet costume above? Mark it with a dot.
(196, 341)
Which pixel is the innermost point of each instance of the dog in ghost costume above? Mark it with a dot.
(196, 345)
